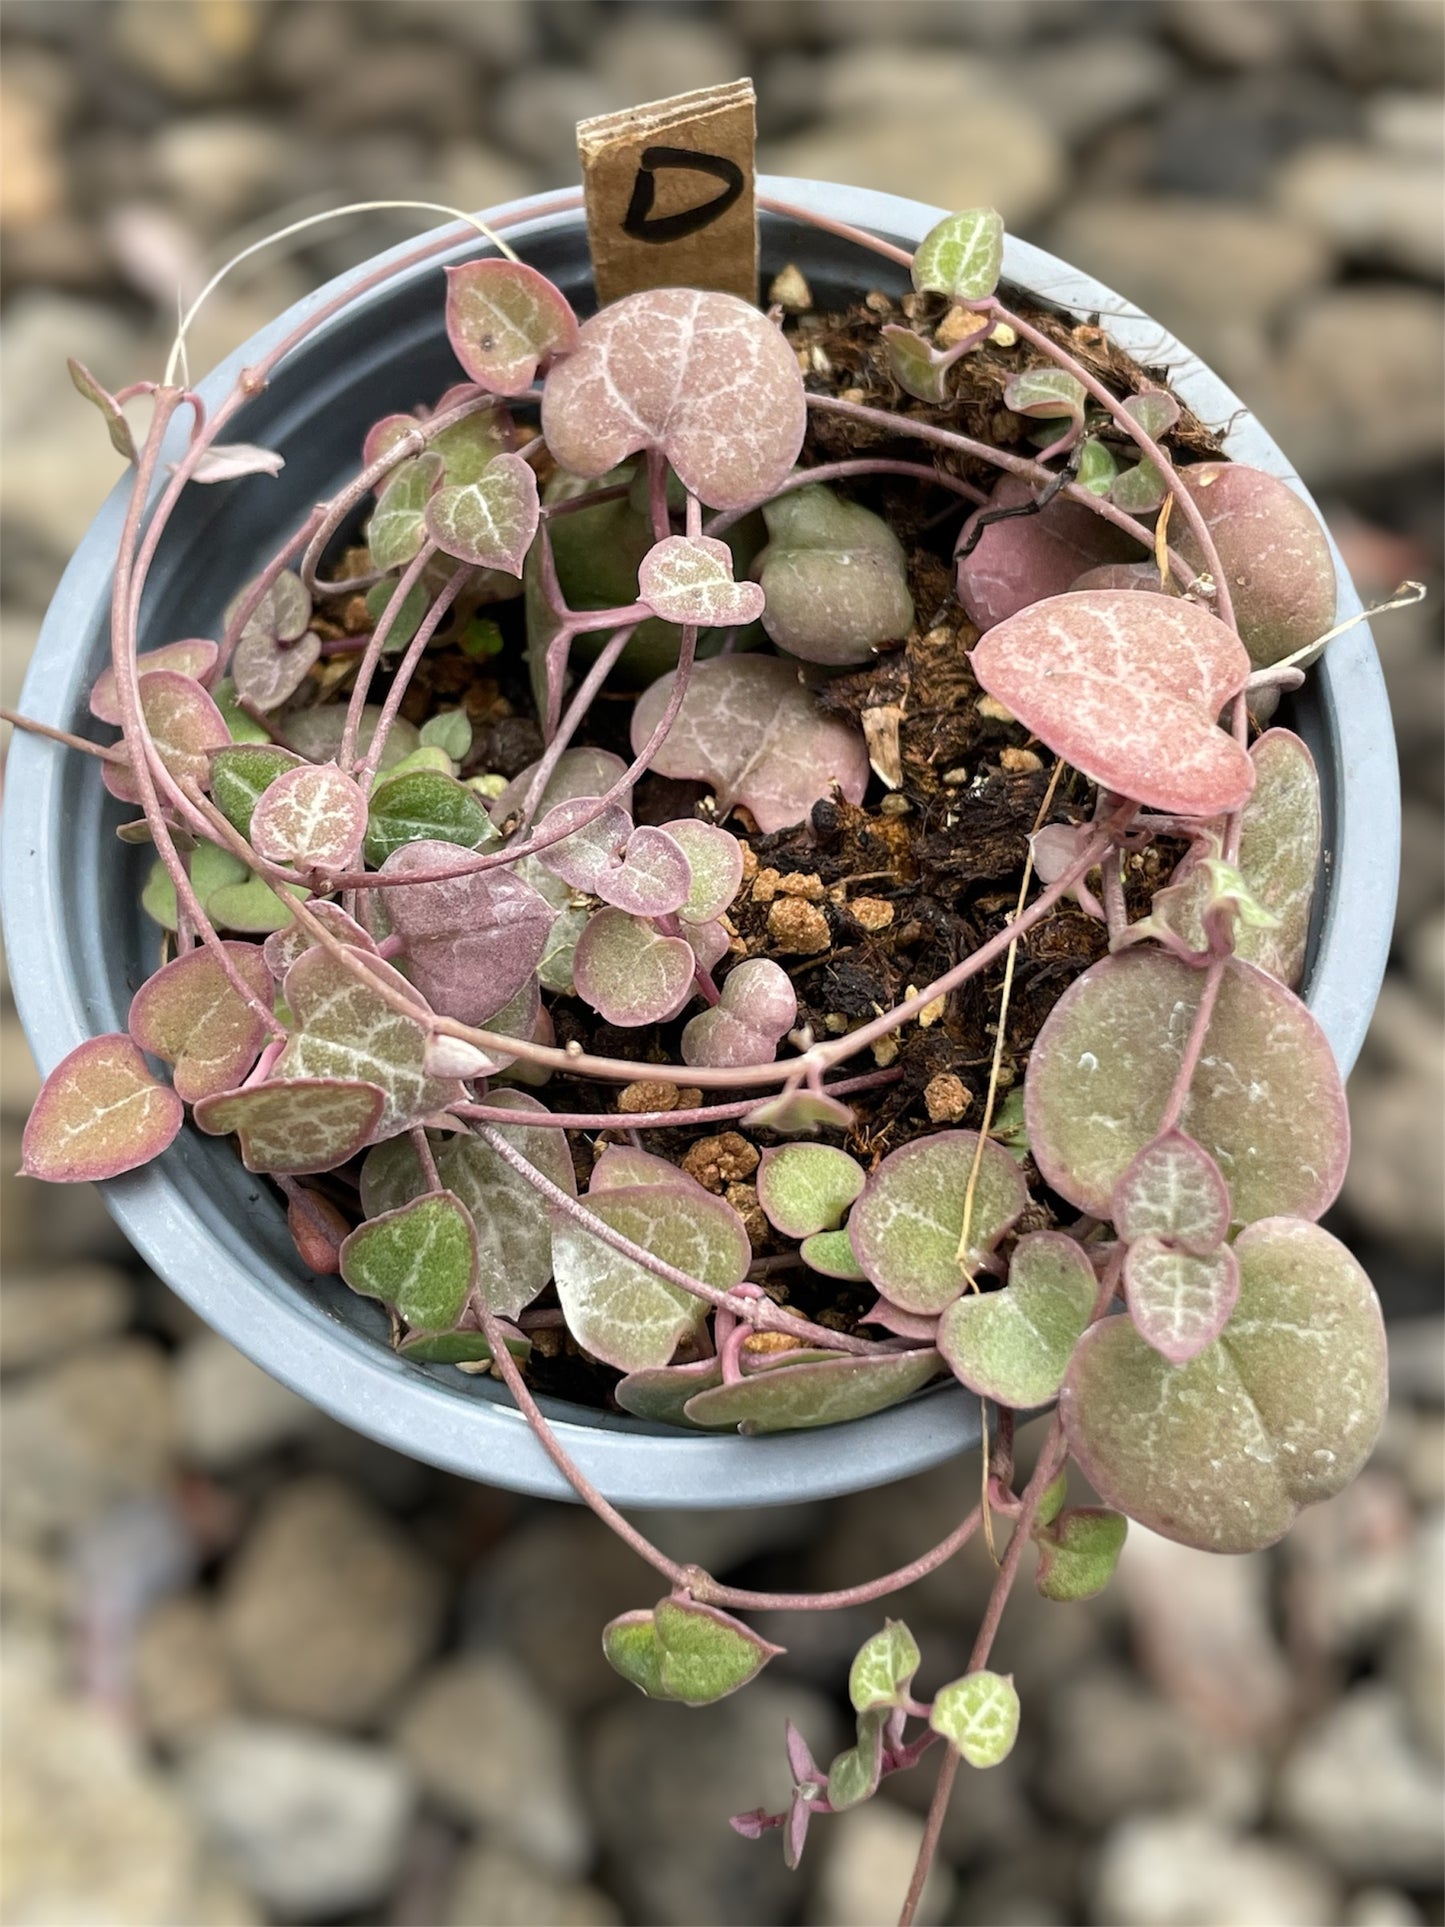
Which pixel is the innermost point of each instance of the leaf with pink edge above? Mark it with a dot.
(1127, 689)
(805, 1188)
(421, 1258)
(690, 579)
(346, 1029)
(292, 1127)
(830, 1253)
(579, 772)
(267, 672)
(1273, 551)
(1268, 1105)
(383, 436)
(1139, 490)
(229, 461)
(191, 1015)
(1014, 1345)
(795, 1398)
(642, 871)
(800, 1112)
(116, 425)
(716, 861)
(703, 378)
(622, 1164)
(962, 256)
(1155, 410)
(920, 369)
(758, 1006)
(907, 1225)
(241, 773)
(1078, 1551)
(1022, 558)
(468, 446)
(514, 1232)
(185, 726)
(683, 1651)
(1173, 1190)
(1281, 1411)
(1179, 1302)
(628, 972)
(709, 942)
(749, 727)
(490, 522)
(311, 817)
(504, 321)
(316, 734)
(283, 947)
(835, 577)
(194, 657)
(617, 1309)
(398, 524)
(470, 941)
(661, 1392)
(100, 1112)
(1045, 393)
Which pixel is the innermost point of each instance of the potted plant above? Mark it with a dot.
(1037, 642)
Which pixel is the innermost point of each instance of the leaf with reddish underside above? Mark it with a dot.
(701, 377)
(709, 942)
(716, 861)
(295, 1126)
(690, 579)
(683, 1651)
(397, 527)
(642, 871)
(312, 817)
(346, 1029)
(962, 256)
(795, 1398)
(800, 1112)
(283, 947)
(489, 522)
(1014, 1345)
(116, 425)
(1045, 393)
(920, 369)
(1272, 550)
(1268, 1106)
(1022, 558)
(758, 1007)
(504, 321)
(1173, 1190)
(617, 1309)
(906, 1227)
(267, 672)
(628, 972)
(383, 436)
(1127, 689)
(185, 726)
(471, 941)
(100, 1112)
(805, 1188)
(1179, 1302)
(421, 1258)
(749, 728)
(191, 1015)
(835, 577)
(194, 657)
(318, 1231)
(661, 1392)
(229, 461)
(1281, 1411)
(1155, 410)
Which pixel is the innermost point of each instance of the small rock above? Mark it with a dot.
(1231, 33)
(493, 1888)
(220, 168)
(867, 1861)
(180, 1674)
(874, 913)
(1349, 1564)
(1377, 353)
(32, 172)
(1178, 1870)
(1425, 960)
(1417, 1657)
(1358, 1791)
(1397, 1111)
(798, 929)
(49, 1314)
(537, 112)
(1381, 1907)
(314, 1826)
(647, 55)
(725, 1159)
(230, 1410)
(1382, 209)
(1407, 124)
(1085, 84)
(492, 1752)
(503, 31)
(194, 52)
(327, 1611)
(947, 1098)
(470, 175)
(647, 1095)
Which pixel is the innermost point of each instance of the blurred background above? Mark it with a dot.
(257, 1669)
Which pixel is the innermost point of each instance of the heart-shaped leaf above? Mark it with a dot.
(643, 871)
(514, 1233)
(690, 579)
(624, 1164)
(1096, 471)
(1014, 1345)
(398, 524)
(853, 1777)
(883, 1668)
(628, 972)
(920, 369)
(661, 1394)
(579, 772)
(795, 1398)
(906, 1227)
(458, 1348)
(504, 320)
(316, 734)
(962, 256)
(283, 947)
(1269, 1107)
(615, 1308)
(210, 870)
(421, 1258)
(252, 906)
(408, 618)
(1173, 1190)
(835, 577)
(1272, 550)
(346, 1029)
(282, 613)
(195, 657)
(1283, 1409)
(471, 942)
(1078, 1552)
(449, 731)
(831, 1253)
(701, 377)
(716, 862)
(241, 773)
(686, 1652)
(312, 817)
(268, 673)
(799, 1112)
(190, 1015)
(1155, 410)
(759, 1005)
(425, 806)
(979, 1716)
(185, 727)
(100, 1112)
(1045, 393)
(1033, 553)
(490, 522)
(749, 728)
(806, 1188)
(1127, 689)
(1139, 490)
(469, 445)
(1179, 1303)
(292, 1127)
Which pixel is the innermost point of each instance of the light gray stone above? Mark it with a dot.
(1397, 1112)
(651, 53)
(1407, 123)
(192, 52)
(1381, 1907)
(495, 1888)
(474, 176)
(181, 1676)
(47, 1314)
(231, 1411)
(866, 1860)
(1180, 1870)
(1379, 208)
(220, 168)
(1425, 956)
(313, 1826)
(1350, 1564)
(1417, 1657)
(1085, 84)
(1233, 33)
(1357, 1789)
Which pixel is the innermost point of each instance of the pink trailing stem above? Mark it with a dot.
(406, 669)
(255, 591)
(847, 471)
(106, 752)
(567, 728)
(658, 1120)
(859, 236)
(410, 576)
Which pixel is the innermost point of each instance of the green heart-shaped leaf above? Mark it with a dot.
(962, 256)
(883, 1668)
(684, 1651)
(907, 1225)
(398, 525)
(241, 774)
(1078, 1552)
(1014, 1345)
(420, 805)
(979, 1716)
(804, 1188)
(794, 1398)
(422, 1259)
(853, 1777)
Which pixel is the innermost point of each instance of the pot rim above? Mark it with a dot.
(361, 1383)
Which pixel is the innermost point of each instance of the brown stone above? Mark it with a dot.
(647, 1095)
(716, 1161)
(874, 913)
(798, 928)
(947, 1098)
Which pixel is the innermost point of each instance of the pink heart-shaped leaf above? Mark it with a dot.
(267, 672)
(584, 856)
(489, 522)
(1179, 1302)
(758, 1006)
(1020, 559)
(383, 436)
(629, 973)
(191, 1015)
(283, 947)
(293, 1127)
(185, 726)
(653, 878)
(701, 377)
(312, 817)
(282, 612)
(1127, 689)
(100, 1112)
(1173, 1190)
(194, 657)
(471, 942)
(504, 320)
(690, 579)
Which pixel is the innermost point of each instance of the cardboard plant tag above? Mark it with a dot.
(669, 190)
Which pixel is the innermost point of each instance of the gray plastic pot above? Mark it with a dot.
(79, 943)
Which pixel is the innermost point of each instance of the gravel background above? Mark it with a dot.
(258, 1669)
